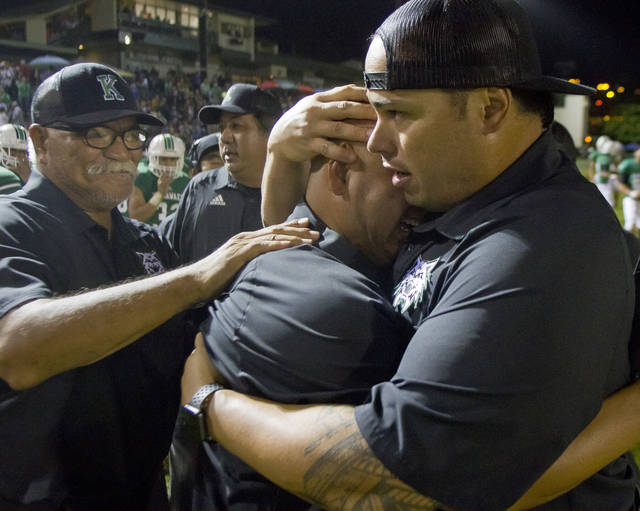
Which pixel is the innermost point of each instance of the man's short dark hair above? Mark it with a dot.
(266, 121)
(531, 102)
(538, 103)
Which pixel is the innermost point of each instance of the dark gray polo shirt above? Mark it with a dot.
(95, 436)
(522, 296)
(213, 208)
(309, 324)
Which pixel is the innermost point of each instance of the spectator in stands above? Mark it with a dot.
(16, 115)
(25, 91)
(4, 116)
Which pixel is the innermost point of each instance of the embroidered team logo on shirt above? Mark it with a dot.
(409, 292)
(150, 262)
(218, 201)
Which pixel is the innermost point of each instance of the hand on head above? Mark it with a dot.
(312, 125)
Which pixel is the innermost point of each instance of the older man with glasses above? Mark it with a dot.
(90, 371)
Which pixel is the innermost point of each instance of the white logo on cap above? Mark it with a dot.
(108, 84)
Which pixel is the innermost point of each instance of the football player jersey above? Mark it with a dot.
(9, 181)
(147, 182)
(629, 173)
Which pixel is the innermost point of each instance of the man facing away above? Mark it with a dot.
(305, 326)
(220, 203)
(90, 364)
(516, 346)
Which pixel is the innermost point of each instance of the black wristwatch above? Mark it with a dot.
(196, 409)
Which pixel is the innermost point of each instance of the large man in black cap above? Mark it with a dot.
(86, 413)
(516, 345)
(222, 202)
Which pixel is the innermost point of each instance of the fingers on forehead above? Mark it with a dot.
(347, 92)
(352, 129)
(351, 109)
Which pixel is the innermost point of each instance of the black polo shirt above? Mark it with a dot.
(95, 436)
(309, 324)
(213, 208)
(522, 296)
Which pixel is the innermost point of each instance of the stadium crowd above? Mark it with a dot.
(176, 97)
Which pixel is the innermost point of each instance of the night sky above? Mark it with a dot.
(595, 40)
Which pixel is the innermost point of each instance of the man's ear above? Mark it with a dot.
(498, 102)
(38, 135)
(338, 175)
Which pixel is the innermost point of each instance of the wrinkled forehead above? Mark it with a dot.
(226, 117)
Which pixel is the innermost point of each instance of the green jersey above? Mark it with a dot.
(9, 181)
(603, 164)
(629, 173)
(147, 182)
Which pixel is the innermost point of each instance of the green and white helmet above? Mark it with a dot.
(12, 137)
(603, 143)
(162, 147)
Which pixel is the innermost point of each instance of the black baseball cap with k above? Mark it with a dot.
(84, 95)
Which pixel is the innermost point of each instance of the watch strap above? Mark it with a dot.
(197, 400)
(198, 407)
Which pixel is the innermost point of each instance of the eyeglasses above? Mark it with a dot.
(101, 137)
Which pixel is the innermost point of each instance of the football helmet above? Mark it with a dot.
(602, 144)
(163, 146)
(12, 137)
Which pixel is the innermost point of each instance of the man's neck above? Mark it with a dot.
(251, 180)
(102, 218)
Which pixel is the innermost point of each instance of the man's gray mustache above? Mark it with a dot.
(112, 166)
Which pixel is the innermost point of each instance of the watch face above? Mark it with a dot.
(190, 424)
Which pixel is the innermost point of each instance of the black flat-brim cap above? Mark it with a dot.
(463, 44)
(84, 95)
(203, 145)
(241, 99)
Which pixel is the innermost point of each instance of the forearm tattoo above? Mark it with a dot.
(347, 476)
